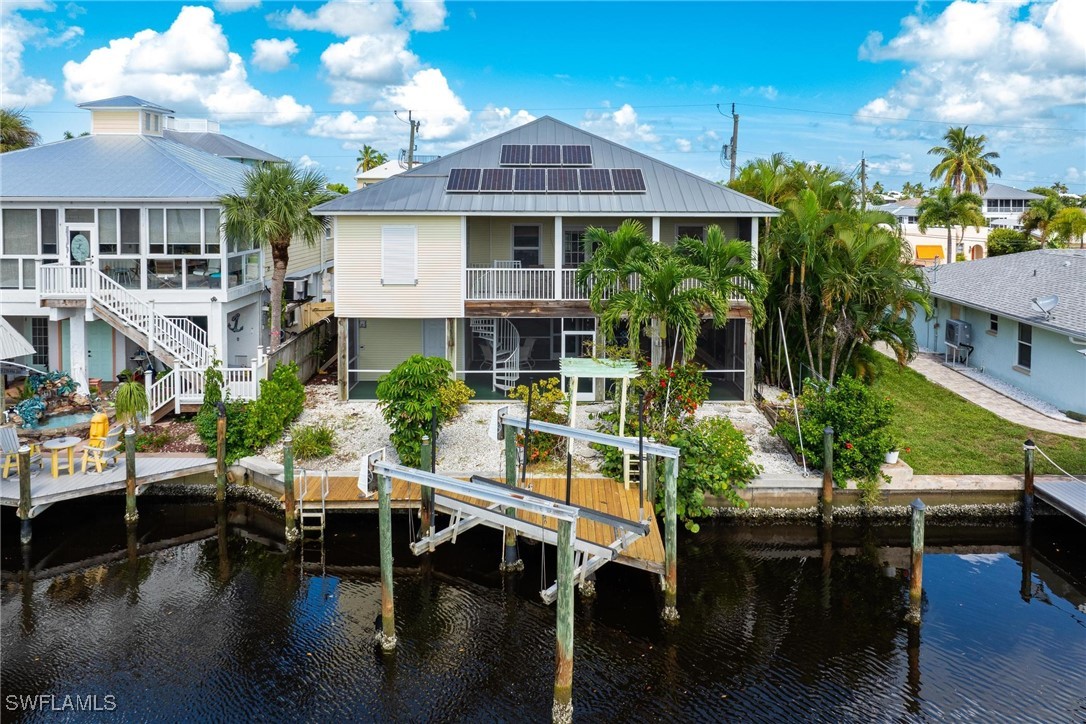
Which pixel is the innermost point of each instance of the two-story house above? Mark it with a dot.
(113, 253)
(473, 257)
(1004, 205)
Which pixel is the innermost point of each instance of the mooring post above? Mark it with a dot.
(826, 533)
(671, 564)
(510, 559)
(827, 475)
(426, 501)
(1027, 495)
(916, 568)
(562, 709)
(433, 440)
(387, 636)
(289, 504)
(1026, 589)
(131, 515)
(24, 494)
(220, 455)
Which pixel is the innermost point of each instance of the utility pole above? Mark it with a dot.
(863, 182)
(414, 125)
(735, 141)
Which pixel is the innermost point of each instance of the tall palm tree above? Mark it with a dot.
(729, 268)
(950, 209)
(369, 157)
(964, 164)
(1040, 215)
(1070, 224)
(15, 130)
(607, 254)
(273, 208)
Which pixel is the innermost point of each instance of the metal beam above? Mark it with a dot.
(607, 519)
(586, 568)
(601, 438)
(430, 542)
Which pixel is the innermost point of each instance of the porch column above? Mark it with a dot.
(558, 257)
(78, 344)
(215, 340)
(656, 229)
(342, 375)
(754, 242)
(748, 360)
(450, 344)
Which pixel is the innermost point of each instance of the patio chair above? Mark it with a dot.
(9, 446)
(103, 451)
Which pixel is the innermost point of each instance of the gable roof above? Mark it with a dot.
(117, 167)
(1000, 191)
(123, 103)
(670, 190)
(1006, 284)
(220, 145)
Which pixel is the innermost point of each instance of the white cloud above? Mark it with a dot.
(344, 18)
(441, 111)
(16, 88)
(306, 162)
(765, 91)
(64, 37)
(345, 126)
(189, 67)
(983, 63)
(426, 15)
(272, 54)
(235, 6)
(360, 66)
(1072, 174)
(888, 165)
(683, 144)
(620, 126)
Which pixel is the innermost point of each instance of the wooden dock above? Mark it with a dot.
(602, 494)
(1066, 496)
(46, 490)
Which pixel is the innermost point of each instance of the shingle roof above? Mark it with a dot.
(220, 145)
(670, 190)
(1006, 284)
(999, 191)
(124, 103)
(121, 166)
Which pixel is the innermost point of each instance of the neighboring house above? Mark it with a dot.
(387, 170)
(929, 246)
(473, 256)
(1004, 206)
(1010, 339)
(112, 247)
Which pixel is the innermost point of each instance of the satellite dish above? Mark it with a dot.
(1045, 305)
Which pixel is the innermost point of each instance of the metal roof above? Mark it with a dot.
(999, 191)
(220, 145)
(123, 103)
(121, 166)
(1006, 284)
(905, 207)
(671, 190)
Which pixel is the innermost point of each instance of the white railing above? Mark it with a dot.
(56, 280)
(239, 383)
(487, 284)
(571, 289)
(161, 392)
(200, 335)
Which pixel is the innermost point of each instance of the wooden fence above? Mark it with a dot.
(309, 349)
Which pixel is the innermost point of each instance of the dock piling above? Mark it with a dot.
(827, 476)
(671, 566)
(511, 559)
(24, 494)
(220, 455)
(562, 709)
(916, 567)
(1027, 494)
(131, 514)
(426, 509)
(289, 503)
(386, 637)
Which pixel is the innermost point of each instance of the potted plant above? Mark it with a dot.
(892, 455)
(130, 403)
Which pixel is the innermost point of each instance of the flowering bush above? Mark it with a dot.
(547, 399)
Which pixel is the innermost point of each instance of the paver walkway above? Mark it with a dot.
(991, 400)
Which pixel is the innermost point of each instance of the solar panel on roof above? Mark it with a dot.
(497, 179)
(596, 180)
(515, 154)
(562, 179)
(546, 155)
(463, 179)
(576, 155)
(530, 179)
(628, 179)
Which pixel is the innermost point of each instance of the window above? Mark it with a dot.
(1025, 346)
(211, 231)
(183, 231)
(573, 249)
(20, 232)
(993, 324)
(526, 246)
(147, 121)
(130, 231)
(39, 337)
(79, 216)
(399, 255)
(156, 234)
(107, 231)
(692, 232)
(49, 231)
(157, 122)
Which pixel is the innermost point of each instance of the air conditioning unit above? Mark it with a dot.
(958, 333)
(296, 290)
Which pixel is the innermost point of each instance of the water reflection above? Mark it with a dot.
(201, 612)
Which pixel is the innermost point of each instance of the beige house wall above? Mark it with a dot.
(115, 122)
(490, 239)
(439, 291)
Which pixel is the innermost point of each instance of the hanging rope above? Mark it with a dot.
(1057, 466)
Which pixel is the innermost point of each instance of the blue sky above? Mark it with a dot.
(825, 82)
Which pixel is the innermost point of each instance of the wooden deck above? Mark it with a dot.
(46, 490)
(1066, 496)
(602, 494)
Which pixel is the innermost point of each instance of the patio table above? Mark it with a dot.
(58, 445)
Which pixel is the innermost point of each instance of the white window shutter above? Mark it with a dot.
(399, 255)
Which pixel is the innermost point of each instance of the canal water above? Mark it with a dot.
(202, 615)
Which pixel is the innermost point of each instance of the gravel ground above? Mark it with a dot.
(465, 447)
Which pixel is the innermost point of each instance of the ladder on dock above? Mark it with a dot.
(313, 514)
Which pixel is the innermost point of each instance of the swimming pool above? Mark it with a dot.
(70, 419)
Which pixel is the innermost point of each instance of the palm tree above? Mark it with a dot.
(607, 254)
(273, 208)
(729, 268)
(369, 157)
(15, 130)
(130, 403)
(1040, 215)
(1070, 224)
(964, 164)
(949, 209)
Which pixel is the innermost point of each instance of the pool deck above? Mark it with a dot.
(46, 490)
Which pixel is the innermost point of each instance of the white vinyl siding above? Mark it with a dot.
(399, 255)
(115, 122)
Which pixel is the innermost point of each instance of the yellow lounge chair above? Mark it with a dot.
(9, 446)
(103, 451)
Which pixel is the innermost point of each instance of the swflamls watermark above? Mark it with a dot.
(60, 702)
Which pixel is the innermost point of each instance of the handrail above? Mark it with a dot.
(162, 391)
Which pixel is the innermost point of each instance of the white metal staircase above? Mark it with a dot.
(504, 341)
(313, 513)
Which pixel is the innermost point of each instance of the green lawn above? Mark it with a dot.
(947, 434)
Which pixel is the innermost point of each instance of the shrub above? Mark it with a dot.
(860, 421)
(206, 420)
(313, 441)
(451, 396)
(407, 396)
(1009, 241)
(282, 399)
(547, 396)
(152, 440)
(130, 403)
(715, 460)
